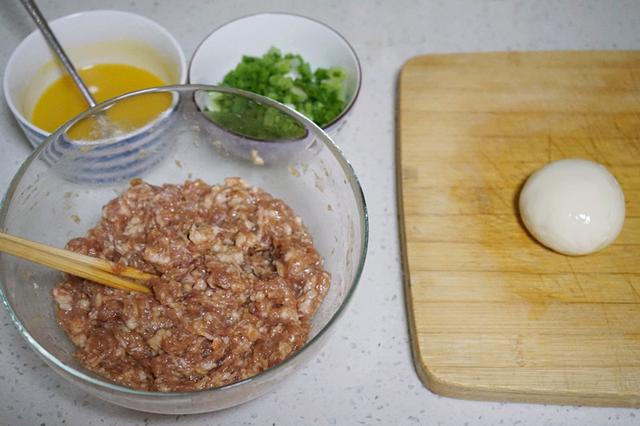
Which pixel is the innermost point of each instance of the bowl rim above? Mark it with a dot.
(19, 116)
(249, 138)
(350, 48)
(110, 386)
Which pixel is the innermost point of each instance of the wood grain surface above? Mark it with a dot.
(493, 314)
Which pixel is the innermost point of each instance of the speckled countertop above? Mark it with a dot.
(365, 373)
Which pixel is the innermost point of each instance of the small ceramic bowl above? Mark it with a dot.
(254, 35)
(89, 38)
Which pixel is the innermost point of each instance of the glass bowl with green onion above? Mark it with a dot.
(294, 60)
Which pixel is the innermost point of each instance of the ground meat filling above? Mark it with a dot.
(239, 283)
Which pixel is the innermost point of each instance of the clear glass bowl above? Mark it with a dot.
(58, 193)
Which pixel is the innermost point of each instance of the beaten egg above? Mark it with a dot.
(62, 100)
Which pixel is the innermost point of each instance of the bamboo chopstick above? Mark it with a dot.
(101, 264)
(90, 268)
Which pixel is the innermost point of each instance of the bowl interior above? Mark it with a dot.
(44, 204)
(254, 35)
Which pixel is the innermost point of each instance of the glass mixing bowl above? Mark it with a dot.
(58, 193)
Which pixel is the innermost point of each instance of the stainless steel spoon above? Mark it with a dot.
(51, 39)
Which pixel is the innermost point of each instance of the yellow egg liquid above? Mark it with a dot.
(62, 100)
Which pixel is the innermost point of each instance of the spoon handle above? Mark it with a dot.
(51, 39)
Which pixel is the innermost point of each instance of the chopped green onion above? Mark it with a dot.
(320, 95)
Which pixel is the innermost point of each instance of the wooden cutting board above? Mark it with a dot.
(493, 314)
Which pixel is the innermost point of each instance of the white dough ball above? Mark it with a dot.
(573, 206)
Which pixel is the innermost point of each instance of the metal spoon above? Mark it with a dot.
(51, 39)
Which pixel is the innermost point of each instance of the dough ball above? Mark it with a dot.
(573, 206)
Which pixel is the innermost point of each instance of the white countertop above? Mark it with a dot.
(365, 374)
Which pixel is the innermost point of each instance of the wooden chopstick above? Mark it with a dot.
(101, 264)
(87, 267)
